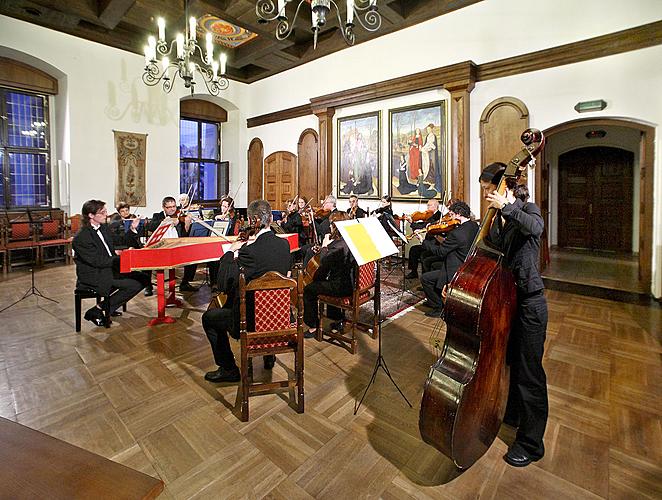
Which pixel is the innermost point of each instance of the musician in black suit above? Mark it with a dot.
(180, 228)
(335, 276)
(517, 231)
(452, 253)
(354, 211)
(95, 258)
(226, 212)
(292, 222)
(267, 252)
(418, 252)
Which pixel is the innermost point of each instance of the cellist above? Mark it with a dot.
(517, 232)
(335, 276)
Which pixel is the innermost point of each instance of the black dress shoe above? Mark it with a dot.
(149, 292)
(269, 361)
(187, 287)
(411, 275)
(223, 375)
(116, 313)
(309, 335)
(435, 313)
(95, 315)
(518, 458)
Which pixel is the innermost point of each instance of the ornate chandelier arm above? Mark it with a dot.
(372, 20)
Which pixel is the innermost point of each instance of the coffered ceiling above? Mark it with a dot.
(126, 24)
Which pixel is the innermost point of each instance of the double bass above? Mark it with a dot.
(465, 394)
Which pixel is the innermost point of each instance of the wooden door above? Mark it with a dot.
(280, 180)
(595, 199)
(255, 158)
(308, 150)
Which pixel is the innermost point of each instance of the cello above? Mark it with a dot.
(464, 397)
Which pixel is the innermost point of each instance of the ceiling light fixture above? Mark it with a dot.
(185, 57)
(267, 11)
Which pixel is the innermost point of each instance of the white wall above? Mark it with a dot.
(101, 91)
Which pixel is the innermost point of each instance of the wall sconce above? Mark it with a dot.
(586, 106)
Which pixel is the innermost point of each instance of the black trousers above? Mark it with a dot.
(527, 396)
(416, 254)
(189, 273)
(314, 290)
(428, 262)
(218, 325)
(429, 283)
(125, 288)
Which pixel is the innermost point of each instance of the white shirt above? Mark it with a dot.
(96, 229)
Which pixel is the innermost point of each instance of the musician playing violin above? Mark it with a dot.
(267, 252)
(292, 222)
(451, 253)
(517, 233)
(354, 211)
(226, 212)
(322, 223)
(417, 252)
(335, 276)
(179, 228)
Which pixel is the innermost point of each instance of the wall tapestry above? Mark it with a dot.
(417, 162)
(131, 150)
(359, 155)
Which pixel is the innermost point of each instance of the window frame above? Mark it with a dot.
(7, 150)
(199, 159)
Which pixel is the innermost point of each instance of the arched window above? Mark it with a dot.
(201, 164)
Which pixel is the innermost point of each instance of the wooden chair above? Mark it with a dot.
(19, 237)
(3, 247)
(366, 290)
(53, 235)
(274, 332)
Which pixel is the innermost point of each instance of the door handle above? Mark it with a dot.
(590, 208)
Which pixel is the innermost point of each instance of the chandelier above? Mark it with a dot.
(266, 11)
(184, 57)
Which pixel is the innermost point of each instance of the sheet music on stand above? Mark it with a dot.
(369, 242)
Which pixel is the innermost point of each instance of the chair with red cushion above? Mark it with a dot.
(366, 290)
(52, 235)
(19, 237)
(3, 246)
(274, 332)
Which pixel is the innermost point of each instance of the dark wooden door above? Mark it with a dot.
(255, 159)
(595, 199)
(308, 149)
(280, 180)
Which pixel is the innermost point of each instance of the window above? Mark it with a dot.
(200, 165)
(24, 150)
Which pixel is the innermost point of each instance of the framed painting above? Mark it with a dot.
(417, 152)
(359, 156)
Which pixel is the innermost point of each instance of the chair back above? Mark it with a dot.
(51, 230)
(365, 277)
(20, 231)
(74, 224)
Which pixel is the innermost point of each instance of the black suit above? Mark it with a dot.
(418, 252)
(335, 276)
(294, 224)
(94, 266)
(358, 213)
(452, 253)
(267, 253)
(519, 239)
(155, 222)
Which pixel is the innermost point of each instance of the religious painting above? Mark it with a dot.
(130, 151)
(417, 162)
(359, 155)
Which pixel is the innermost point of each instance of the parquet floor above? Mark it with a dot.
(136, 395)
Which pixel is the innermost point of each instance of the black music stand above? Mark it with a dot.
(33, 290)
(381, 362)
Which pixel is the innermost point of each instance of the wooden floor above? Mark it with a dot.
(136, 395)
(601, 269)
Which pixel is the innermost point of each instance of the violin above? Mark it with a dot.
(321, 213)
(421, 216)
(248, 230)
(443, 227)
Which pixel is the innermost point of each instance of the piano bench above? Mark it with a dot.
(86, 293)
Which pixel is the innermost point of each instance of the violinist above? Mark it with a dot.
(417, 221)
(181, 227)
(226, 212)
(267, 252)
(335, 276)
(354, 211)
(292, 222)
(517, 233)
(385, 215)
(451, 254)
(322, 222)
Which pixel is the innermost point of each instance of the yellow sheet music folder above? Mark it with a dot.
(366, 239)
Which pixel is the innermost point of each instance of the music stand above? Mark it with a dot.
(33, 290)
(369, 242)
(400, 235)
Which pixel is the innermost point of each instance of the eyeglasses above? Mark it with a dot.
(103, 211)
(170, 206)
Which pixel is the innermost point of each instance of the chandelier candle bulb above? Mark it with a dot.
(161, 22)
(165, 62)
(210, 48)
(350, 12)
(191, 29)
(180, 46)
(147, 54)
(224, 60)
(214, 68)
(281, 9)
(151, 42)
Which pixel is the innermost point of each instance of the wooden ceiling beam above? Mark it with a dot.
(111, 12)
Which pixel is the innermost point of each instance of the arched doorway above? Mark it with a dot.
(582, 143)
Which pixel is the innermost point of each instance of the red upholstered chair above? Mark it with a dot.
(366, 290)
(52, 235)
(19, 237)
(275, 333)
(3, 246)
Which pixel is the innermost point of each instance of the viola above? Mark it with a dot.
(421, 216)
(443, 227)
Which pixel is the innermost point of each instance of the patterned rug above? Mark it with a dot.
(397, 296)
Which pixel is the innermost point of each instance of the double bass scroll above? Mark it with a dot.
(465, 394)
